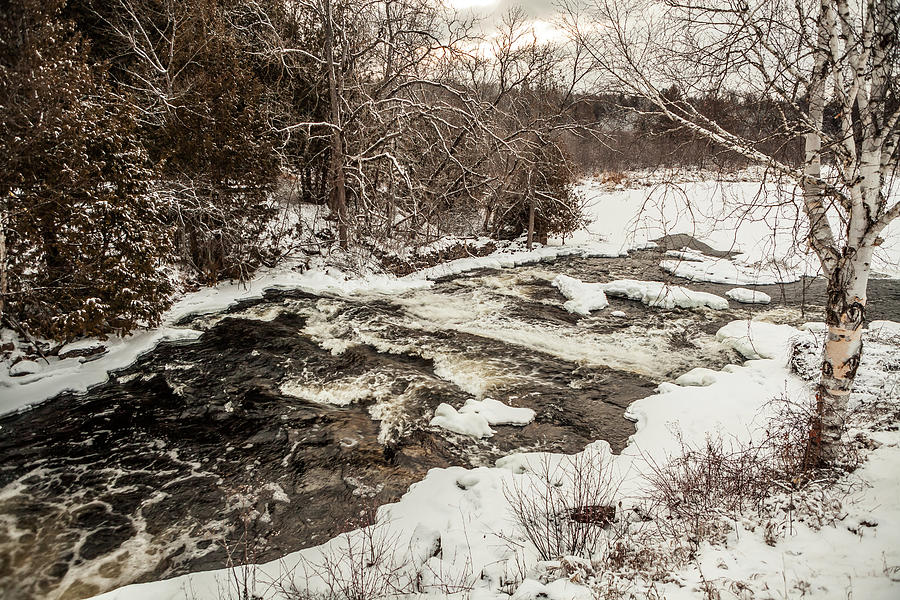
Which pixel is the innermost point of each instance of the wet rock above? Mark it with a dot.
(91, 516)
(84, 348)
(105, 540)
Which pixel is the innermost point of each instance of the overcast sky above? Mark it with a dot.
(538, 9)
(542, 12)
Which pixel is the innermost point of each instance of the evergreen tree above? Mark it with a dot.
(86, 243)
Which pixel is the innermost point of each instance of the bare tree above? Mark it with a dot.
(427, 124)
(335, 91)
(815, 57)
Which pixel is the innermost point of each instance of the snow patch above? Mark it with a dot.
(757, 339)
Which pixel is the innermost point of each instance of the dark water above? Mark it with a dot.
(294, 413)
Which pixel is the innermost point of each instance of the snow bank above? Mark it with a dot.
(748, 296)
(583, 297)
(661, 295)
(77, 375)
(476, 417)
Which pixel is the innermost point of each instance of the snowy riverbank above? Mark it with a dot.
(454, 529)
(453, 533)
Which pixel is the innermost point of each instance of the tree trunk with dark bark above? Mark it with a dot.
(338, 195)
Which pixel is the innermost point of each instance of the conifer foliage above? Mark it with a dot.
(85, 239)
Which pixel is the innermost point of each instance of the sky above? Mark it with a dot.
(536, 8)
(542, 12)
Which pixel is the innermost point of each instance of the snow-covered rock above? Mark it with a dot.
(582, 297)
(472, 424)
(757, 339)
(723, 270)
(24, 367)
(699, 376)
(686, 254)
(661, 295)
(748, 296)
(476, 417)
(498, 413)
(87, 347)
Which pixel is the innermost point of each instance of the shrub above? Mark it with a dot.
(563, 507)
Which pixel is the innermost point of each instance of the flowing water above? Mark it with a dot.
(293, 413)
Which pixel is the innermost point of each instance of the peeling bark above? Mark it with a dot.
(844, 316)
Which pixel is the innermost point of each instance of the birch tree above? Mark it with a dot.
(831, 65)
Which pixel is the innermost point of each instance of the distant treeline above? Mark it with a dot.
(143, 135)
(633, 137)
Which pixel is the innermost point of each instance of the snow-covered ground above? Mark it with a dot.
(761, 223)
(453, 535)
(454, 531)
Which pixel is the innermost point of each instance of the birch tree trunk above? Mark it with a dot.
(844, 315)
